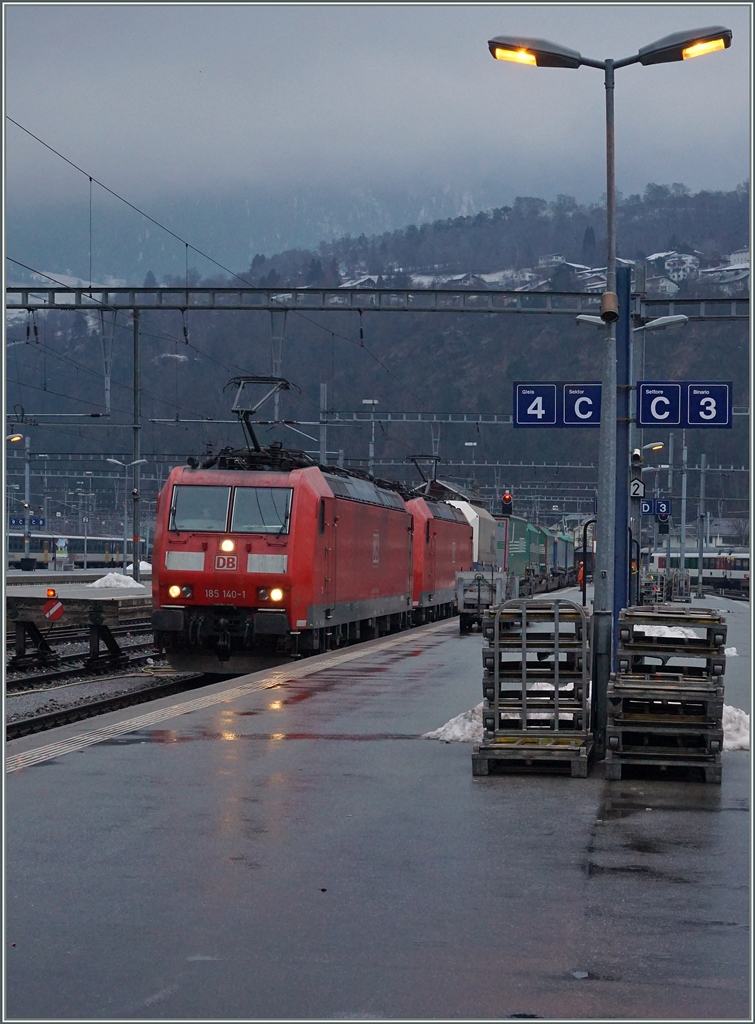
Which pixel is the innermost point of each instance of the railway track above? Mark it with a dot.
(65, 716)
(73, 665)
(74, 635)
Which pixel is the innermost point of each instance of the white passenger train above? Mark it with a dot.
(725, 568)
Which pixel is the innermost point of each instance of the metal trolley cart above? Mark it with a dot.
(665, 704)
(536, 687)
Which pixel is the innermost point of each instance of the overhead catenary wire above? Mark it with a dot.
(188, 245)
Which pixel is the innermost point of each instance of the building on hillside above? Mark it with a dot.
(681, 266)
(661, 286)
(738, 257)
(733, 279)
(549, 262)
(368, 281)
(473, 281)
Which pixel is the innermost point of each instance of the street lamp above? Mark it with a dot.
(372, 402)
(137, 555)
(14, 439)
(541, 53)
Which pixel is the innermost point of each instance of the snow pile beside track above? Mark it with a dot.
(114, 581)
(736, 729)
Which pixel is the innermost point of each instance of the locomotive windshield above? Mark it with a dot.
(261, 510)
(199, 508)
(255, 509)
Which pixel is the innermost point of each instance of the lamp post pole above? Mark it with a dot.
(27, 495)
(701, 528)
(541, 53)
(683, 523)
(136, 463)
(125, 517)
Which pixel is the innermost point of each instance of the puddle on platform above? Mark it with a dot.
(168, 736)
(622, 801)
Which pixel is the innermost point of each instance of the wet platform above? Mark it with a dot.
(285, 845)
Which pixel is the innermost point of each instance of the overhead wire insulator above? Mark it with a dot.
(361, 330)
(185, 327)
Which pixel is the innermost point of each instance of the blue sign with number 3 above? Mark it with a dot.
(684, 403)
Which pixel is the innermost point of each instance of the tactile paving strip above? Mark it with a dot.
(14, 762)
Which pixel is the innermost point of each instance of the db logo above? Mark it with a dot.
(226, 561)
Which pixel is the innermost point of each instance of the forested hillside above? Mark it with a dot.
(439, 362)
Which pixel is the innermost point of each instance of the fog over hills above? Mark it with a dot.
(231, 227)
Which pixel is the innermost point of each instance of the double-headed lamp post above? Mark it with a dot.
(15, 439)
(137, 554)
(540, 53)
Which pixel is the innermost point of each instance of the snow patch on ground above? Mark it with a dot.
(143, 567)
(114, 581)
(731, 652)
(736, 729)
(466, 728)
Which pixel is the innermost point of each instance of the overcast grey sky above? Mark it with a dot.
(155, 98)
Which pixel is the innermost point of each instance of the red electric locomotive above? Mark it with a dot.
(442, 547)
(262, 555)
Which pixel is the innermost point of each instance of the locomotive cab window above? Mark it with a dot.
(199, 508)
(261, 510)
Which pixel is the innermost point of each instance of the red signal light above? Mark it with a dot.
(51, 592)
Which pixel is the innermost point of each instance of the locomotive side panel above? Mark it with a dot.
(371, 552)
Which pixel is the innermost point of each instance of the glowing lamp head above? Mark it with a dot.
(174, 591)
(227, 544)
(518, 56)
(51, 592)
(276, 594)
(15, 437)
(700, 49)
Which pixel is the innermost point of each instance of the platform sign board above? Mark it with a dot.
(535, 405)
(646, 507)
(37, 521)
(557, 404)
(581, 405)
(17, 521)
(660, 404)
(684, 404)
(708, 404)
(663, 506)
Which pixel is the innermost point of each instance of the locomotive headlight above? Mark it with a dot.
(276, 594)
(263, 594)
(227, 544)
(174, 591)
(187, 591)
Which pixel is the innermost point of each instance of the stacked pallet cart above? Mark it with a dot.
(536, 687)
(665, 704)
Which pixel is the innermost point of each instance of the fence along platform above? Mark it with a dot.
(536, 687)
(665, 705)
